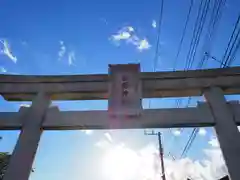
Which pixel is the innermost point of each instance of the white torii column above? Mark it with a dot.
(226, 130)
(21, 160)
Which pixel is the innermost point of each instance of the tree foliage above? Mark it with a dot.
(4, 159)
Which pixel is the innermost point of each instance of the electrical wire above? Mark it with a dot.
(196, 27)
(199, 23)
(183, 34)
(234, 54)
(158, 37)
(214, 58)
(190, 142)
(194, 34)
(214, 20)
(197, 33)
(155, 60)
(234, 46)
(224, 60)
(178, 101)
(212, 26)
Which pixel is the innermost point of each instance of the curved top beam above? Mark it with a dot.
(89, 87)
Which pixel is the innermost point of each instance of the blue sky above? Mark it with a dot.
(83, 37)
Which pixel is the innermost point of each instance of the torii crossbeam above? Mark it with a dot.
(124, 87)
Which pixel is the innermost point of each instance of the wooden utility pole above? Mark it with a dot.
(161, 155)
(160, 149)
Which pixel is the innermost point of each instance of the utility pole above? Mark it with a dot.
(160, 148)
(161, 155)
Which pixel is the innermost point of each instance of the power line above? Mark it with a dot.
(222, 64)
(230, 44)
(234, 45)
(183, 34)
(190, 142)
(155, 60)
(213, 58)
(199, 23)
(193, 36)
(214, 20)
(158, 36)
(201, 19)
(199, 33)
(212, 26)
(196, 26)
(234, 54)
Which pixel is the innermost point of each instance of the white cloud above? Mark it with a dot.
(120, 162)
(128, 35)
(103, 144)
(108, 136)
(215, 163)
(202, 132)
(123, 163)
(134, 40)
(62, 50)
(214, 142)
(106, 142)
(154, 24)
(71, 58)
(115, 166)
(25, 105)
(176, 132)
(70, 54)
(3, 70)
(88, 131)
(6, 50)
(130, 28)
(121, 36)
(143, 45)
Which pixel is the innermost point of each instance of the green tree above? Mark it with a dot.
(4, 159)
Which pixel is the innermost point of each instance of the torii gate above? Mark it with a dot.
(124, 87)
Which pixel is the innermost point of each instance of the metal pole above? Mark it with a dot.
(161, 155)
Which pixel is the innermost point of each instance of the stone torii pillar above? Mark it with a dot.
(226, 130)
(22, 158)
